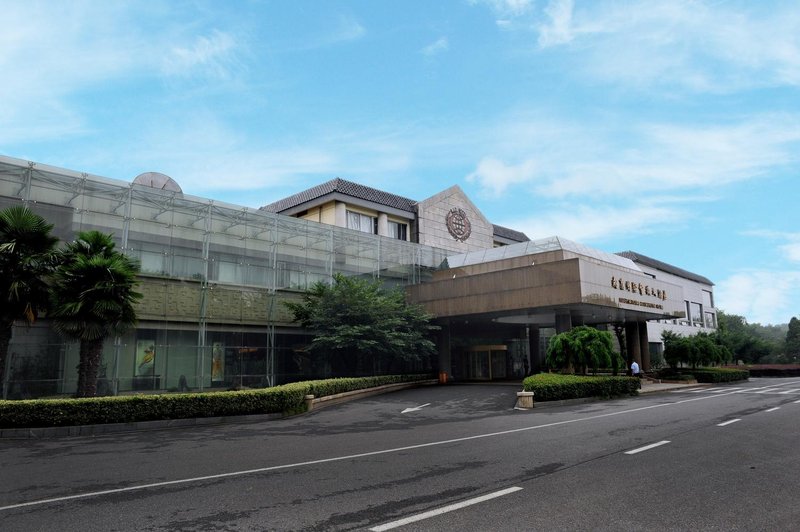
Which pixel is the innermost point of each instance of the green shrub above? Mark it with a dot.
(705, 375)
(720, 374)
(285, 399)
(762, 371)
(554, 387)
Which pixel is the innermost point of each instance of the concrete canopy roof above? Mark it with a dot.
(534, 282)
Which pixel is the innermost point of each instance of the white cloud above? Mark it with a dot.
(494, 175)
(790, 250)
(594, 223)
(509, 14)
(42, 67)
(52, 55)
(348, 29)
(507, 8)
(646, 158)
(559, 29)
(766, 297)
(211, 56)
(436, 47)
(701, 46)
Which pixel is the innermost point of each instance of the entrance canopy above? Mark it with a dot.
(541, 282)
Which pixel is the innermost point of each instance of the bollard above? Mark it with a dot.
(309, 402)
(524, 400)
(442, 377)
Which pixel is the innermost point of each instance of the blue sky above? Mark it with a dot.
(668, 128)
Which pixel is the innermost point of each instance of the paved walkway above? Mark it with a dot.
(654, 387)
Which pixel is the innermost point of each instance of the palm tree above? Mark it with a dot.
(26, 259)
(93, 297)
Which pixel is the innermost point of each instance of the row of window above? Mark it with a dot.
(697, 316)
(369, 224)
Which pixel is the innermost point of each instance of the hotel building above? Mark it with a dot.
(215, 276)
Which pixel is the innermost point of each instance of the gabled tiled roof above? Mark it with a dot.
(664, 267)
(510, 234)
(342, 187)
(348, 188)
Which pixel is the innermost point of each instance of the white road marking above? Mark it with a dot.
(647, 447)
(443, 510)
(728, 422)
(773, 409)
(771, 389)
(354, 456)
(798, 401)
(414, 409)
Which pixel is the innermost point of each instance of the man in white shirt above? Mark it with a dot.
(635, 369)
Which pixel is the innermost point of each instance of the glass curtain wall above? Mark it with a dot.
(214, 277)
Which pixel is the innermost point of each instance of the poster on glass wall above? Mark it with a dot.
(145, 358)
(217, 362)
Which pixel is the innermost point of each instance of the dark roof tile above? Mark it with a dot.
(345, 187)
(664, 267)
(510, 234)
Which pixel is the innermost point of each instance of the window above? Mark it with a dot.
(398, 231)
(711, 321)
(708, 299)
(696, 314)
(362, 222)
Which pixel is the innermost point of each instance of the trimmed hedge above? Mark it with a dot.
(720, 375)
(285, 399)
(707, 375)
(757, 371)
(555, 387)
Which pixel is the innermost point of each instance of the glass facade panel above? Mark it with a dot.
(213, 277)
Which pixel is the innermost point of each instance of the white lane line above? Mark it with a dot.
(354, 456)
(793, 390)
(773, 409)
(728, 422)
(444, 510)
(647, 447)
(797, 402)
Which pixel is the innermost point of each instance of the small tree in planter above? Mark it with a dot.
(582, 348)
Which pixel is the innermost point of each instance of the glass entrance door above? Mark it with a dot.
(485, 362)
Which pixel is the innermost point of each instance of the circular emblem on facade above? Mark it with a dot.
(458, 224)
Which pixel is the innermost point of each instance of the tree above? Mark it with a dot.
(583, 347)
(751, 343)
(356, 324)
(697, 350)
(93, 297)
(792, 348)
(26, 260)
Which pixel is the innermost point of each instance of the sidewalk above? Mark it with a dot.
(654, 387)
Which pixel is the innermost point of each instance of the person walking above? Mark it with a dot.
(635, 369)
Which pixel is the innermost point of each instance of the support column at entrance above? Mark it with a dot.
(536, 358)
(563, 322)
(632, 343)
(445, 358)
(644, 346)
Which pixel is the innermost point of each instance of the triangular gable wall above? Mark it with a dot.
(432, 219)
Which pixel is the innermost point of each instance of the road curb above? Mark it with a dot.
(112, 428)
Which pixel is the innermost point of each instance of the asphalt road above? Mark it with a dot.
(434, 458)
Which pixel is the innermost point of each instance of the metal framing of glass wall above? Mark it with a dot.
(214, 277)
